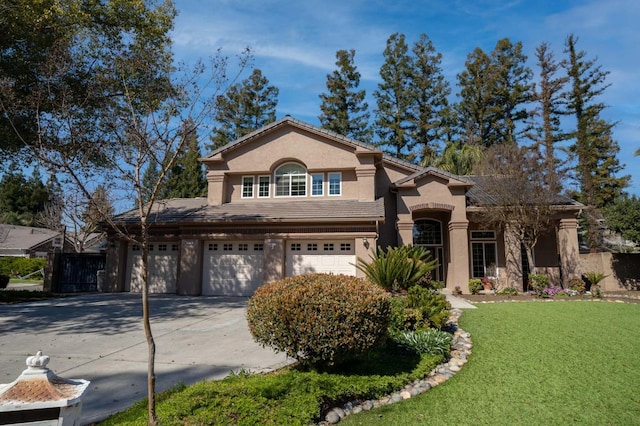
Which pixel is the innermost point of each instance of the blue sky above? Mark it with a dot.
(294, 43)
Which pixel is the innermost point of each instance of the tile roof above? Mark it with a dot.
(196, 210)
(480, 194)
(434, 170)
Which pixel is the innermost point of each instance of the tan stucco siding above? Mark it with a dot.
(283, 145)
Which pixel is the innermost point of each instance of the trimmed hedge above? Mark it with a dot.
(20, 266)
(319, 319)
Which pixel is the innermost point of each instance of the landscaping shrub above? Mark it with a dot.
(576, 284)
(420, 309)
(475, 285)
(432, 342)
(319, 319)
(538, 282)
(508, 291)
(397, 268)
(4, 280)
(20, 266)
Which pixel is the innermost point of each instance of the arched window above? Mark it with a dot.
(291, 180)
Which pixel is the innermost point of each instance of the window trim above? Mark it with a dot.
(253, 180)
(268, 186)
(339, 174)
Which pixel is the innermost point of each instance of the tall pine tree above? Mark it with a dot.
(430, 106)
(545, 131)
(245, 107)
(343, 107)
(494, 90)
(394, 99)
(186, 178)
(594, 147)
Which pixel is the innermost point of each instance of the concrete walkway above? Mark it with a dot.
(99, 337)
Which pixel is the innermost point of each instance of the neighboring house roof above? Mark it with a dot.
(19, 240)
(196, 210)
(288, 120)
(481, 194)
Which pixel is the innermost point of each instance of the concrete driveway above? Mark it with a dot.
(99, 337)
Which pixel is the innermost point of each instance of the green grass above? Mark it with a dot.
(286, 397)
(550, 363)
(25, 281)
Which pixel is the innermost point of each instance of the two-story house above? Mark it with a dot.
(292, 198)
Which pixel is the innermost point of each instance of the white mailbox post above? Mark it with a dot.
(39, 397)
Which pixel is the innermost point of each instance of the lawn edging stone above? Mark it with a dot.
(460, 351)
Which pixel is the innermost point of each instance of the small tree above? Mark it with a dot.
(516, 199)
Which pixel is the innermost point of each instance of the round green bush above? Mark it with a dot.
(319, 319)
(475, 285)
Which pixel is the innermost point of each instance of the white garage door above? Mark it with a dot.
(232, 268)
(321, 256)
(163, 268)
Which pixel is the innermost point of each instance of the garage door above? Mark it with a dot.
(232, 268)
(163, 268)
(321, 256)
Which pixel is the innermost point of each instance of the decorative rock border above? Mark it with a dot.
(460, 350)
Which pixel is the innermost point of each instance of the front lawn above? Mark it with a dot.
(536, 363)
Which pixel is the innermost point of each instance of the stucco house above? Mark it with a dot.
(293, 198)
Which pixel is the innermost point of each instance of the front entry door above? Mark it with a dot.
(427, 233)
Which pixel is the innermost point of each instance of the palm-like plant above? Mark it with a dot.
(595, 277)
(397, 267)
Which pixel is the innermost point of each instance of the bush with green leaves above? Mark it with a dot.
(319, 319)
(538, 282)
(420, 309)
(20, 266)
(577, 285)
(397, 268)
(475, 285)
(595, 277)
(508, 291)
(432, 342)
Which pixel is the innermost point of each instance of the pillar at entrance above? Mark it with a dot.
(569, 250)
(458, 268)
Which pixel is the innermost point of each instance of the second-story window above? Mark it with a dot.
(263, 186)
(291, 181)
(317, 184)
(247, 187)
(335, 184)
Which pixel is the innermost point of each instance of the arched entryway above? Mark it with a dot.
(428, 233)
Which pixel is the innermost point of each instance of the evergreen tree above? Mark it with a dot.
(494, 90)
(96, 209)
(393, 123)
(344, 109)
(22, 198)
(245, 107)
(545, 130)
(430, 104)
(475, 111)
(150, 177)
(459, 158)
(594, 147)
(186, 178)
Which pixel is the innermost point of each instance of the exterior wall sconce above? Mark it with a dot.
(272, 245)
(365, 242)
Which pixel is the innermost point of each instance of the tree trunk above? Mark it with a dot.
(151, 345)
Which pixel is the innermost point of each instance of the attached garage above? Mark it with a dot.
(320, 256)
(232, 268)
(163, 268)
